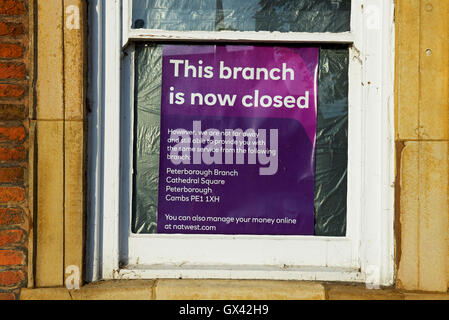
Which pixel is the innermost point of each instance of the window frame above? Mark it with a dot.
(366, 254)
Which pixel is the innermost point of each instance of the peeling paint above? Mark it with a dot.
(400, 146)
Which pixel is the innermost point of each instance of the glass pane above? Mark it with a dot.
(331, 144)
(238, 15)
(147, 137)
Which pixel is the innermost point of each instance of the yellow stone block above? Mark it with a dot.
(351, 292)
(407, 274)
(50, 60)
(426, 296)
(433, 218)
(74, 195)
(116, 290)
(45, 294)
(105, 290)
(50, 204)
(422, 69)
(237, 290)
(434, 70)
(74, 59)
(423, 262)
(407, 69)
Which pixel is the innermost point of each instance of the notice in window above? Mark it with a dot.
(238, 135)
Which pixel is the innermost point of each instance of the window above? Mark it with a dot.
(327, 214)
(144, 51)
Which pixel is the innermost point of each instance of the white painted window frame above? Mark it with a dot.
(366, 254)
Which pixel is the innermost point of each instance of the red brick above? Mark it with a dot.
(11, 278)
(13, 154)
(12, 112)
(12, 134)
(12, 194)
(10, 50)
(12, 7)
(11, 258)
(7, 296)
(11, 175)
(11, 216)
(11, 91)
(11, 237)
(12, 71)
(11, 29)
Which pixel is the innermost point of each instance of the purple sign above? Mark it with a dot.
(238, 132)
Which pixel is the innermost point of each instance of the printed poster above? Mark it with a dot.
(238, 133)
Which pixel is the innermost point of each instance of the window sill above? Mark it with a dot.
(223, 290)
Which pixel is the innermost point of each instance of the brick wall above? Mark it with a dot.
(14, 145)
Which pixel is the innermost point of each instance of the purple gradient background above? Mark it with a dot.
(288, 193)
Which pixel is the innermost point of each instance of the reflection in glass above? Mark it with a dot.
(238, 15)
